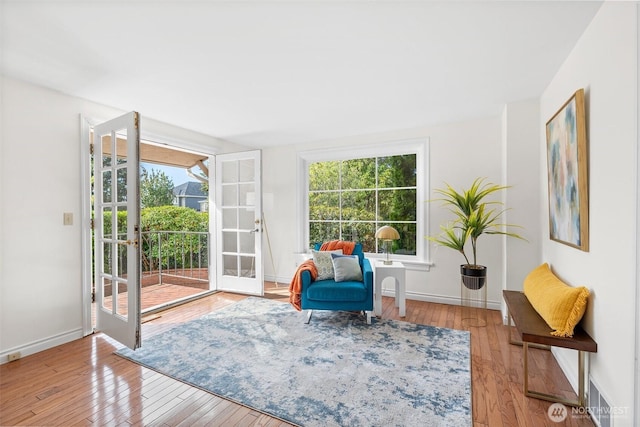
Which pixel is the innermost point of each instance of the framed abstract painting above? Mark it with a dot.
(567, 174)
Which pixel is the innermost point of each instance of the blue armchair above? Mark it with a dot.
(342, 296)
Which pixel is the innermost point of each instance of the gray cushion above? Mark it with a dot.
(346, 268)
(322, 260)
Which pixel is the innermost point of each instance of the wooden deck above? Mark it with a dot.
(84, 383)
(155, 294)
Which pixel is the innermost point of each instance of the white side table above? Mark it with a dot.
(381, 272)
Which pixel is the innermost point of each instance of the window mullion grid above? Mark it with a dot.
(377, 220)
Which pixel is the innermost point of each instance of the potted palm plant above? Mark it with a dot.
(474, 216)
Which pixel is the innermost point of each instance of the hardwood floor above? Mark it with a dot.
(84, 383)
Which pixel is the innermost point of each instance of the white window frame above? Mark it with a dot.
(419, 147)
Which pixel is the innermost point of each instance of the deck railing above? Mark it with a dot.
(182, 256)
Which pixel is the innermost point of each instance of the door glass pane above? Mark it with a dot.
(120, 222)
(229, 241)
(229, 195)
(107, 223)
(107, 258)
(106, 295)
(121, 144)
(247, 266)
(229, 172)
(247, 243)
(121, 299)
(247, 172)
(247, 195)
(121, 187)
(121, 264)
(230, 265)
(106, 150)
(229, 218)
(106, 186)
(247, 219)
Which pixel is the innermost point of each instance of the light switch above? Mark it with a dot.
(67, 218)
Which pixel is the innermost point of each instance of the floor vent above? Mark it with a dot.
(599, 408)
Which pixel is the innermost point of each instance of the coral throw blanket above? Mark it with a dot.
(295, 288)
(347, 247)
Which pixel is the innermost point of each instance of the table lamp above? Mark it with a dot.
(387, 234)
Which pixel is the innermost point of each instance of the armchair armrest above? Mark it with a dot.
(306, 279)
(367, 273)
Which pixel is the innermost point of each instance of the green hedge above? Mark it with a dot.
(178, 251)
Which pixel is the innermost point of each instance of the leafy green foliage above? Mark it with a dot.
(173, 249)
(351, 199)
(358, 174)
(474, 217)
(173, 218)
(121, 224)
(156, 189)
(324, 176)
(164, 243)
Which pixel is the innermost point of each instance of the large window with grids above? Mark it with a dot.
(350, 198)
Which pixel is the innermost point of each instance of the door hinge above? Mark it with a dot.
(136, 120)
(91, 149)
(93, 223)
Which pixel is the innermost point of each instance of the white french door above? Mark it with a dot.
(239, 222)
(117, 219)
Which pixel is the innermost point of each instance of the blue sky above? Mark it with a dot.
(177, 175)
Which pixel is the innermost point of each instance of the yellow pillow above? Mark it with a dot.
(559, 304)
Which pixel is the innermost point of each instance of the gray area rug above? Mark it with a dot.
(335, 371)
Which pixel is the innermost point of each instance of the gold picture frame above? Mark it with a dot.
(567, 174)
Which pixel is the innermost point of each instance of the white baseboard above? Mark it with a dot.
(41, 345)
(279, 280)
(570, 371)
(440, 299)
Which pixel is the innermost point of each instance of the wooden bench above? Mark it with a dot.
(534, 331)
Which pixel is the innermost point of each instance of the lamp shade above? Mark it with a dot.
(387, 233)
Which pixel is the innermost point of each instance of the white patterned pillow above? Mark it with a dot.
(324, 264)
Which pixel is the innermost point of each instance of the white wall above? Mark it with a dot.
(521, 151)
(603, 63)
(40, 267)
(459, 152)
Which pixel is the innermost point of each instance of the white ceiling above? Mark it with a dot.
(266, 73)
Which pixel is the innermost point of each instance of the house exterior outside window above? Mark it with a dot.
(189, 195)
